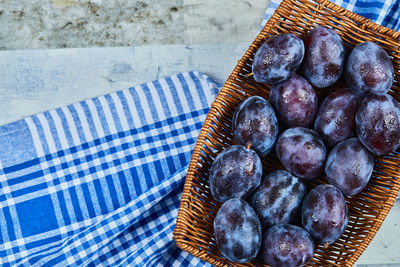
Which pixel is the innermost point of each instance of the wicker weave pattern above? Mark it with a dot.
(367, 210)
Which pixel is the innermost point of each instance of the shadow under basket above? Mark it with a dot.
(367, 210)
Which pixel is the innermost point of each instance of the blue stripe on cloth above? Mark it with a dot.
(100, 174)
(393, 19)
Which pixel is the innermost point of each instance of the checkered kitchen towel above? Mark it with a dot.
(98, 183)
(383, 12)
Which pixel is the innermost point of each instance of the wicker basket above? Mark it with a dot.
(367, 210)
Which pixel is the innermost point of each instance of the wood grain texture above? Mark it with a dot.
(33, 81)
(26, 24)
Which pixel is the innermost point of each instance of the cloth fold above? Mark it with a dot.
(98, 183)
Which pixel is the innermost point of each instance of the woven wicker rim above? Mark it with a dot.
(382, 34)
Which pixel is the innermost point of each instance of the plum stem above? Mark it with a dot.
(248, 145)
(248, 75)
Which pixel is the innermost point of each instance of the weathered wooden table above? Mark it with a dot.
(32, 81)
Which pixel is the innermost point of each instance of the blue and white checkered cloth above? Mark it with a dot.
(383, 12)
(98, 183)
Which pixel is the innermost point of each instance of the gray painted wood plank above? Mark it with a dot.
(33, 81)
